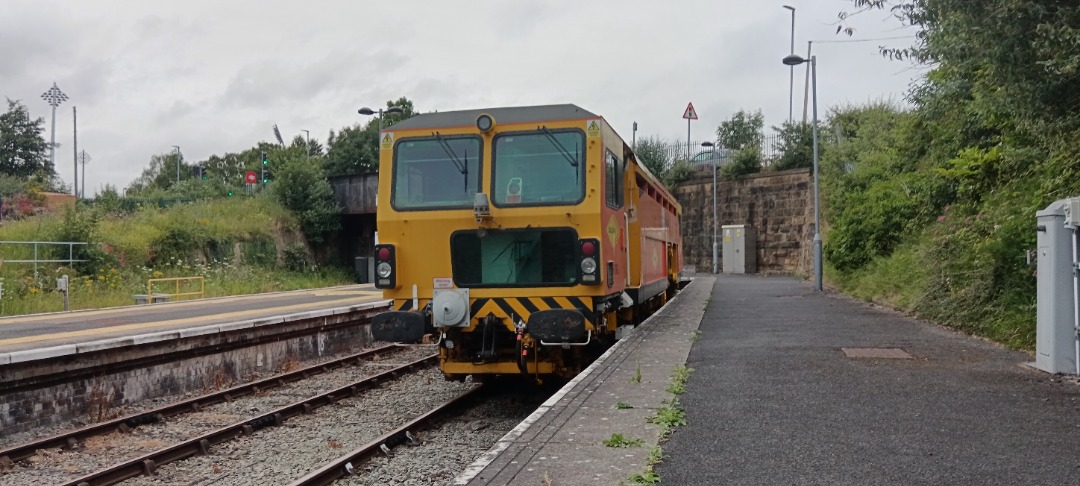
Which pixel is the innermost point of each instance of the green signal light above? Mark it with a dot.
(230, 193)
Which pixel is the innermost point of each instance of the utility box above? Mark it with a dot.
(365, 270)
(1055, 341)
(740, 248)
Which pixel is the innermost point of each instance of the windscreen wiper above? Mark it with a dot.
(554, 141)
(462, 167)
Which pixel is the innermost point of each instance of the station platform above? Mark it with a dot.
(793, 386)
(37, 331)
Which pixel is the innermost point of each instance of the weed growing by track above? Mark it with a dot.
(667, 417)
(618, 440)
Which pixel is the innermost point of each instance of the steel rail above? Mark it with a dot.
(346, 464)
(71, 439)
(148, 463)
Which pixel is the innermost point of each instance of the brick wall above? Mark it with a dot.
(779, 205)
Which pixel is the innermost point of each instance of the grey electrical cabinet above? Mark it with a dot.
(1055, 338)
(740, 248)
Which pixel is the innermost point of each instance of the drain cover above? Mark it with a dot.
(879, 353)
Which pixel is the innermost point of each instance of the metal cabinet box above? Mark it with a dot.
(740, 248)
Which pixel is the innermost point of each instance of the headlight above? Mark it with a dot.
(383, 269)
(588, 265)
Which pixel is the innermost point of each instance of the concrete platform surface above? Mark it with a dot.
(562, 442)
(794, 386)
(65, 328)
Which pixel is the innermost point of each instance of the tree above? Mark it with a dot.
(310, 148)
(160, 175)
(742, 130)
(653, 153)
(796, 145)
(743, 134)
(23, 149)
(301, 187)
(355, 149)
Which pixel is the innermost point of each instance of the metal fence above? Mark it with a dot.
(38, 247)
(702, 156)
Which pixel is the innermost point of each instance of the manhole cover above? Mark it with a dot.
(880, 353)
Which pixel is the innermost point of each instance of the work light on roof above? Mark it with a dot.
(485, 123)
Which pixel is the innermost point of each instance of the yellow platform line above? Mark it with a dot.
(238, 315)
(171, 305)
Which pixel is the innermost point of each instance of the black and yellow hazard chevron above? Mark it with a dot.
(517, 307)
(406, 305)
(523, 307)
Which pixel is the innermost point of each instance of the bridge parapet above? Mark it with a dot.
(355, 193)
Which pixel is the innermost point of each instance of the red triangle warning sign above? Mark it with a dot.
(690, 113)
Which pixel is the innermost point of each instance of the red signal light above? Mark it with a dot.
(384, 254)
(588, 248)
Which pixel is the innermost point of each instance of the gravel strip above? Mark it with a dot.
(443, 452)
(280, 455)
(52, 466)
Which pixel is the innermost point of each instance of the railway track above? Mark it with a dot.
(347, 465)
(440, 427)
(72, 439)
(60, 457)
(148, 464)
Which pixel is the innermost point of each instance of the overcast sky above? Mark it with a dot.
(213, 76)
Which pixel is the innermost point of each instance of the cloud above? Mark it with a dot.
(214, 76)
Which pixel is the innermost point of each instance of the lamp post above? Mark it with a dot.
(177, 163)
(791, 77)
(795, 60)
(54, 97)
(715, 261)
(307, 142)
(368, 111)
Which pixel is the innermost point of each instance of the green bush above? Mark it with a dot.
(79, 226)
(301, 188)
(744, 162)
(296, 258)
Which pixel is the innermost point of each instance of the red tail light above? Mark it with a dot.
(385, 267)
(589, 261)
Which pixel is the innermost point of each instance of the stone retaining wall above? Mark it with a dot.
(779, 205)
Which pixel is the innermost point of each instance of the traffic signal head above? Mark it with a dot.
(265, 159)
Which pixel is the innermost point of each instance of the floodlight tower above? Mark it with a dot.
(54, 97)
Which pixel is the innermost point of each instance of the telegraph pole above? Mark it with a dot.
(84, 158)
(75, 152)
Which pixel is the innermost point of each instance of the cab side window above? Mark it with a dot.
(615, 184)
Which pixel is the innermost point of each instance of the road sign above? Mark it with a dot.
(690, 113)
(251, 177)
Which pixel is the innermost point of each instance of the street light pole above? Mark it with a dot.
(791, 77)
(794, 60)
(715, 250)
(307, 141)
(368, 111)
